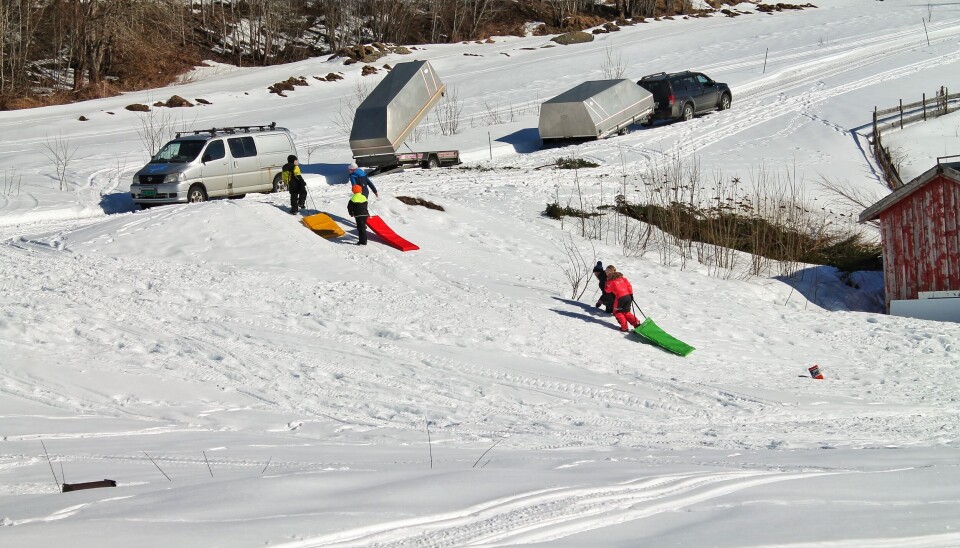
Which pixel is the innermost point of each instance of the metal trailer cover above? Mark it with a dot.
(594, 109)
(391, 111)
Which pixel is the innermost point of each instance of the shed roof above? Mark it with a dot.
(948, 170)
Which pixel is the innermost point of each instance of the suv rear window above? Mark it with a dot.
(659, 88)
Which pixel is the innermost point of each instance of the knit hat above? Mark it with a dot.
(598, 267)
(352, 167)
(357, 189)
(291, 158)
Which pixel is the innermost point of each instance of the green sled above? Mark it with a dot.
(651, 331)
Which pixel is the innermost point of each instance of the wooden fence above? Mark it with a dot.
(899, 116)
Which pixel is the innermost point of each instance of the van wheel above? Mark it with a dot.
(725, 102)
(278, 184)
(433, 162)
(196, 194)
(687, 113)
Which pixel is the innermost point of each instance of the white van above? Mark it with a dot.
(214, 163)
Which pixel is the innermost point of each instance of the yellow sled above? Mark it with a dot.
(322, 224)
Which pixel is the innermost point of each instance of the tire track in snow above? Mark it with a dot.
(752, 107)
(542, 516)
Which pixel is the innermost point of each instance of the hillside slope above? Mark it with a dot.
(247, 382)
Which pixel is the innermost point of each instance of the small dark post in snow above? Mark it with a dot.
(485, 453)
(430, 445)
(924, 106)
(925, 31)
(265, 465)
(490, 143)
(55, 480)
(208, 463)
(901, 113)
(158, 466)
(765, 61)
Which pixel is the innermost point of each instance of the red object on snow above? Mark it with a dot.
(376, 224)
(815, 372)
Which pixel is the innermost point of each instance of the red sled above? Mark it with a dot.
(380, 228)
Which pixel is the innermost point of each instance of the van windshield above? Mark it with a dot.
(178, 151)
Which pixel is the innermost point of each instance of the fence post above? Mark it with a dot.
(924, 106)
(876, 136)
(901, 113)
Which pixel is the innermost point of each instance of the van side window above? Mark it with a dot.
(242, 147)
(215, 151)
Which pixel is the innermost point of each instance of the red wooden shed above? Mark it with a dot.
(919, 235)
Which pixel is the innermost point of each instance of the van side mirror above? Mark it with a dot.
(206, 158)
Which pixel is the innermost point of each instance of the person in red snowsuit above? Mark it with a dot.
(622, 298)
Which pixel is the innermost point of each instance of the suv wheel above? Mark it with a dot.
(725, 101)
(196, 194)
(687, 113)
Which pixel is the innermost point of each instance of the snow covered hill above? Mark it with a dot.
(247, 382)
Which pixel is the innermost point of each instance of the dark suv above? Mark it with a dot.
(681, 95)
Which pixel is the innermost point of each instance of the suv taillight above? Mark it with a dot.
(670, 100)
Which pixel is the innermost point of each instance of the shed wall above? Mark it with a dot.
(921, 241)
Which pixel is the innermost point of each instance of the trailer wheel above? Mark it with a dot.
(433, 162)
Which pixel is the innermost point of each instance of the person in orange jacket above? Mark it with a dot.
(622, 298)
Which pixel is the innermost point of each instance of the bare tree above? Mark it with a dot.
(348, 107)
(59, 151)
(613, 66)
(449, 113)
(577, 269)
(18, 36)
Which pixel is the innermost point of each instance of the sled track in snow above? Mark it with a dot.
(542, 516)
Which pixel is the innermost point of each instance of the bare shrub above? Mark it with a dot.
(613, 66)
(449, 112)
(847, 193)
(60, 152)
(577, 268)
(158, 127)
(11, 182)
(764, 227)
(348, 107)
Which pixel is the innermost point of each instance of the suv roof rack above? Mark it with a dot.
(654, 75)
(229, 130)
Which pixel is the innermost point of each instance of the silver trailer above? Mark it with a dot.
(594, 110)
(392, 110)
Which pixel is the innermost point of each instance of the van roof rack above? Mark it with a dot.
(229, 130)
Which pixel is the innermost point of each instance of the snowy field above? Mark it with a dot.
(248, 383)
